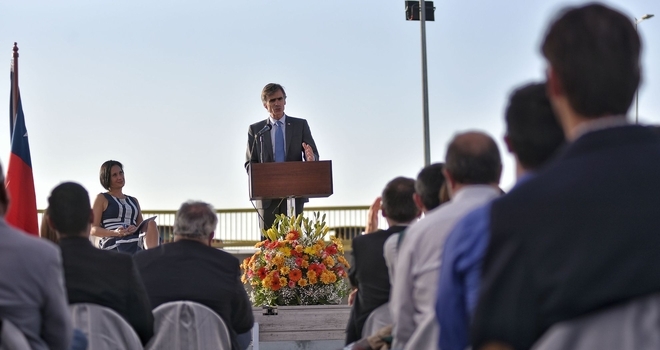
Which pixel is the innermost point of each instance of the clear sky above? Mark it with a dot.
(169, 87)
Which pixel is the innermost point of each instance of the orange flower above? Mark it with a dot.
(295, 275)
(329, 261)
(299, 248)
(302, 282)
(311, 274)
(262, 273)
(292, 235)
(276, 285)
(328, 277)
(304, 264)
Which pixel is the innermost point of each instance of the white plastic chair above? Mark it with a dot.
(377, 319)
(105, 329)
(632, 325)
(186, 325)
(11, 338)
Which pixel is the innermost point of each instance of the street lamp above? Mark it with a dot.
(638, 21)
(423, 11)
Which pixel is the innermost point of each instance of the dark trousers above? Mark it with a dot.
(277, 206)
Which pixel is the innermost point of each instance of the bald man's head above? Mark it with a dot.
(473, 158)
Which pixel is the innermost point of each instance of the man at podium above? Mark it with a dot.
(282, 138)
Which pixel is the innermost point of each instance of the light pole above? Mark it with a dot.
(638, 21)
(423, 16)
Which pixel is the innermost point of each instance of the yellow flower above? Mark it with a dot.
(329, 261)
(267, 282)
(302, 282)
(285, 270)
(283, 281)
(286, 251)
(244, 279)
(309, 250)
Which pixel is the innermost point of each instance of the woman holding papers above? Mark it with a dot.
(117, 217)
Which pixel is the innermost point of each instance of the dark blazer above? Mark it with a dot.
(370, 275)
(108, 279)
(190, 270)
(297, 132)
(580, 236)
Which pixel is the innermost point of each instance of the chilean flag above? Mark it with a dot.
(22, 212)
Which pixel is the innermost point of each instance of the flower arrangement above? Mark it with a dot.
(295, 266)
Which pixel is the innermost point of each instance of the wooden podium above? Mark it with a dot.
(290, 180)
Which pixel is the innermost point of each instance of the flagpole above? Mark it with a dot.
(14, 88)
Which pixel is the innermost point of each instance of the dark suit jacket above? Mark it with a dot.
(580, 236)
(190, 270)
(297, 132)
(108, 279)
(369, 274)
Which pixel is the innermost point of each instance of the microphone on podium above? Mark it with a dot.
(264, 130)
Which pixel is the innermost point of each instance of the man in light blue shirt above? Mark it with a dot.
(533, 136)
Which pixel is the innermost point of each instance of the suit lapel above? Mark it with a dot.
(290, 128)
(268, 148)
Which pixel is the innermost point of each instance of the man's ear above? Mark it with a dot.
(211, 236)
(418, 202)
(553, 86)
(507, 141)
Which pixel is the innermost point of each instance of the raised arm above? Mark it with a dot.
(309, 146)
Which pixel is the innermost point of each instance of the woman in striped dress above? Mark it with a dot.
(116, 215)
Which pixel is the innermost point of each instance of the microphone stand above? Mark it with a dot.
(261, 146)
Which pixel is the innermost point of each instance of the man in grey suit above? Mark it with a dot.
(32, 293)
(285, 139)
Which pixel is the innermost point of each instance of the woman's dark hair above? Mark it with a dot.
(106, 172)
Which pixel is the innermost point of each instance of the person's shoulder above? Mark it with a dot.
(259, 124)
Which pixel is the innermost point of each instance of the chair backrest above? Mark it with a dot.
(105, 329)
(184, 325)
(632, 325)
(377, 319)
(11, 338)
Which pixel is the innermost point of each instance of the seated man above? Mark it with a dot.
(369, 273)
(31, 287)
(190, 269)
(93, 275)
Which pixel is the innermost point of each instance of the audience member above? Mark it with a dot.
(582, 234)
(369, 273)
(533, 136)
(428, 196)
(32, 293)
(190, 269)
(93, 275)
(45, 231)
(472, 172)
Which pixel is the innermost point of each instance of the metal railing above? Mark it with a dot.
(241, 226)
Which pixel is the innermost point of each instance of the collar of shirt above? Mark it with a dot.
(273, 121)
(599, 124)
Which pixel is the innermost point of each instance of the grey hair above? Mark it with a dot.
(195, 219)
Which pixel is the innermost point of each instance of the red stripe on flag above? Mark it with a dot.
(22, 212)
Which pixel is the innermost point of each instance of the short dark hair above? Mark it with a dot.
(594, 51)
(69, 208)
(428, 184)
(106, 172)
(270, 89)
(531, 126)
(398, 203)
(473, 158)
